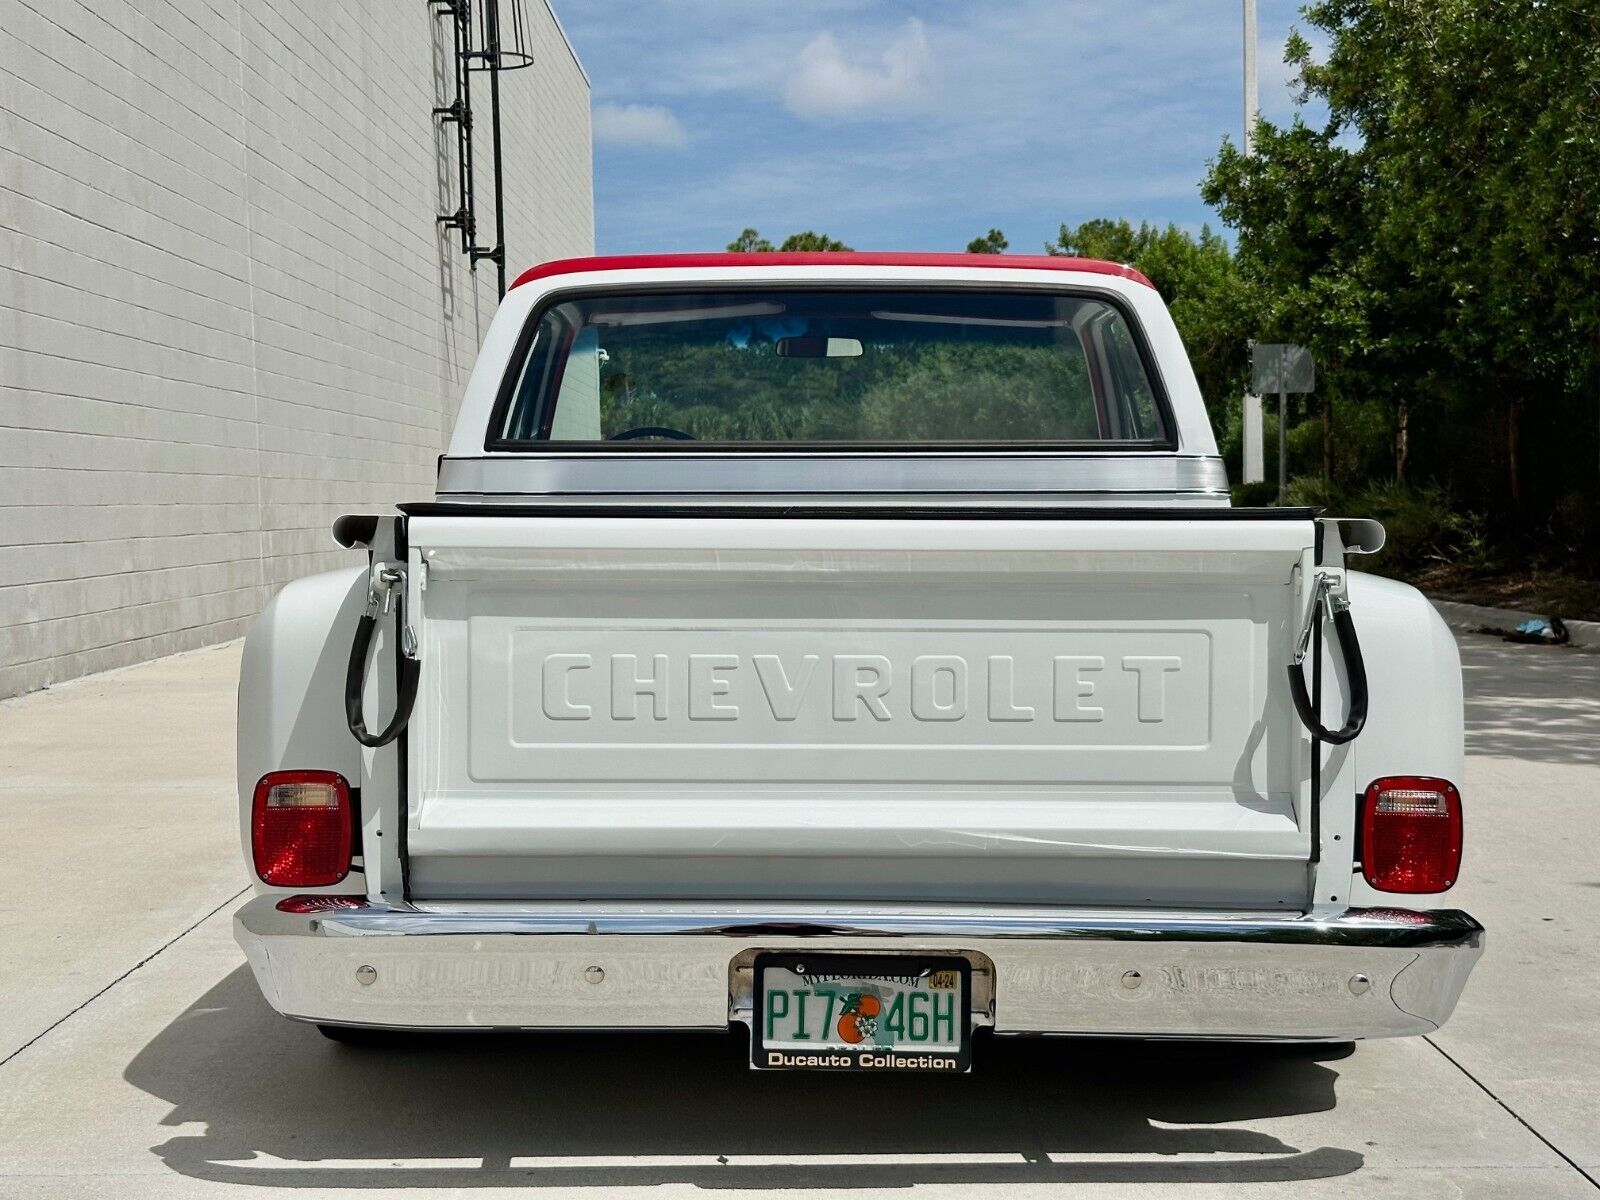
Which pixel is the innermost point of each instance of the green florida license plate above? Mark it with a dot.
(861, 1012)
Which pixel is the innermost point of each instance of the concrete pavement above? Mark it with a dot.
(139, 1060)
(119, 818)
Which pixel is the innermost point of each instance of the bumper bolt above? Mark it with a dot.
(366, 976)
(594, 974)
(1360, 985)
(1131, 980)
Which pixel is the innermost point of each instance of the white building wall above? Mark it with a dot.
(227, 314)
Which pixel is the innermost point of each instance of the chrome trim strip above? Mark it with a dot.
(982, 474)
(1393, 928)
(955, 502)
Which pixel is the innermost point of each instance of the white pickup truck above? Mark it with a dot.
(859, 648)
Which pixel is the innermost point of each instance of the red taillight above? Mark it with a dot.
(1411, 834)
(300, 828)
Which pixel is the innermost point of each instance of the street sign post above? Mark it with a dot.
(1285, 368)
(1255, 469)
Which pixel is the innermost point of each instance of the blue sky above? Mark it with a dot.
(900, 126)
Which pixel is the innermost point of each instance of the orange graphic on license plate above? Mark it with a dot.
(859, 1021)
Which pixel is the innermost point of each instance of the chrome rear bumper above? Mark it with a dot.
(1273, 976)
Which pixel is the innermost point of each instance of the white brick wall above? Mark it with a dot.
(226, 313)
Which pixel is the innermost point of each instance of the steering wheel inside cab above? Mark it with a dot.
(661, 432)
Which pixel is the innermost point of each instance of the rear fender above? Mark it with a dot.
(1414, 721)
(291, 687)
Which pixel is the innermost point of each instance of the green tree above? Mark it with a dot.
(750, 241)
(993, 242)
(1305, 257)
(1437, 238)
(809, 240)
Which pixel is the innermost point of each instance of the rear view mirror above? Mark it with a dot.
(819, 347)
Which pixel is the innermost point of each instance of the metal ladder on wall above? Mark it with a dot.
(480, 45)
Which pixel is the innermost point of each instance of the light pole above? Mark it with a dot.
(1254, 467)
(1252, 105)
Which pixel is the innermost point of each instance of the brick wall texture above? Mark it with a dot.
(227, 314)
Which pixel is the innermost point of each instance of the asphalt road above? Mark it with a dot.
(137, 1058)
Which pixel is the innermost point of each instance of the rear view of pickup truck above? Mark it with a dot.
(861, 649)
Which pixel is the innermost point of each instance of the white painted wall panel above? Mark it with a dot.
(226, 312)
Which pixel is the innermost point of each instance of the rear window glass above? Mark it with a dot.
(812, 365)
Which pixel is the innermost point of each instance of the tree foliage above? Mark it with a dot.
(993, 242)
(1437, 239)
(750, 241)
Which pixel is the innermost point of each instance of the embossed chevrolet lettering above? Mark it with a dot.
(929, 687)
(863, 650)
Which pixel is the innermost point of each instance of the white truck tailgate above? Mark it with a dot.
(1080, 707)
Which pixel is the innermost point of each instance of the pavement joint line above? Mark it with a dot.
(65, 1017)
(1518, 1117)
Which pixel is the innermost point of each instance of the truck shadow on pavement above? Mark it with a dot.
(270, 1102)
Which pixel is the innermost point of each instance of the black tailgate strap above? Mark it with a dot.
(390, 580)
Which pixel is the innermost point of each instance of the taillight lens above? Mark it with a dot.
(300, 826)
(1411, 834)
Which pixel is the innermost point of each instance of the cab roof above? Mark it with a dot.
(828, 258)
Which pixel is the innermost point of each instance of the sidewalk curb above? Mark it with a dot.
(1475, 618)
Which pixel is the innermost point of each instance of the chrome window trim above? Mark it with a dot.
(794, 473)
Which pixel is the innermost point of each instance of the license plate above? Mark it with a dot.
(867, 1012)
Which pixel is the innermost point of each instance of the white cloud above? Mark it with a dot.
(831, 81)
(638, 125)
(1022, 115)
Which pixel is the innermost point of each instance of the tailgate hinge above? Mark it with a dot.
(1330, 593)
(384, 580)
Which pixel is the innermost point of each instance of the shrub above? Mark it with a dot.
(1309, 491)
(1423, 526)
(1254, 495)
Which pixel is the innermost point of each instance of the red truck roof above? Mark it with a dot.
(827, 258)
